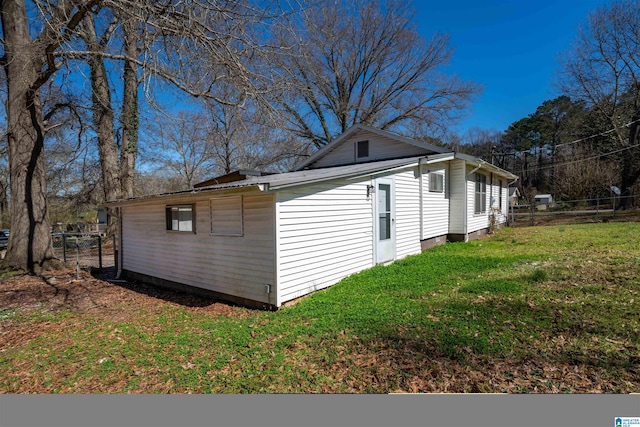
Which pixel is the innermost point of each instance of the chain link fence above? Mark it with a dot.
(603, 209)
(87, 250)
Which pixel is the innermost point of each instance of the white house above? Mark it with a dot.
(369, 197)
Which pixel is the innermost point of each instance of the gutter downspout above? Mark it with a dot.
(491, 192)
(120, 234)
(466, 199)
(421, 201)
(510, 206)
(466, 204)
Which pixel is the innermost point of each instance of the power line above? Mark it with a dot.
(578, 140)
(528, 170)
(596, 135)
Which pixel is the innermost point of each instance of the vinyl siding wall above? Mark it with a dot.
(457, 197)
(379, 148)
(325, 233)
(234, 265)
(435, 206)
(407, 185)
(496, 195)
(481, 220)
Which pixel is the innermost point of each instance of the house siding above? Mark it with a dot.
(435, 206)
(457, 197)
(380, 148)
(325, 233)
(496, 195)
(476, 221)
(240, 266)
(407, 185)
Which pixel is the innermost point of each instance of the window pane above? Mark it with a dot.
(480, 202)
(180, 218)
(185, 219)
(384, 201)
(384, 221)
(436, 182)
(363, 149)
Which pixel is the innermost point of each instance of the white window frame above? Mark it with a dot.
(480, 194)
(172, 225)
(436, 182)
(239, 230)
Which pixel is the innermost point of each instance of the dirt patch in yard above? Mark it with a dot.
(99, 293)
(99, 296)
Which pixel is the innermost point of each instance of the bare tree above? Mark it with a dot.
(103, 114)
(482, 143)
(4, 182)
(577, 179)
(246, 136)
(4, 161)
(603, 69)
(193, 146)
(186, 38)
(117, 157)
(130, 105)
(363, 61)
(29, 63)
(185, 150)
(156, 182)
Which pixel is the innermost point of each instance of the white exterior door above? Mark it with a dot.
(385, 220)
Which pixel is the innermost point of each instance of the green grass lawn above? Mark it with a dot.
(543, 309)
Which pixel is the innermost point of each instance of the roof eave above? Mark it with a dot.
(346, 175)
(486, 165)
(184, 193)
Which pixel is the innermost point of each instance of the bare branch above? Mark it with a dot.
(53, 36)
(364, 62)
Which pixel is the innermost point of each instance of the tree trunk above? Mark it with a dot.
(3, 204)
(103, 122)
(30, 239)
(129, 150)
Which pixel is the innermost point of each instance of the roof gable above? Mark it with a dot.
(382, 145)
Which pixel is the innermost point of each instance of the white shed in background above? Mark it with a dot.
(543, 201)
(369, 197)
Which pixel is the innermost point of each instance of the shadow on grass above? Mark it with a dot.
(184, 298)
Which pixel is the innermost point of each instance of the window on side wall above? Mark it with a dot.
(226, 216)
(480, 194)
(362, 150)
(500, 195)
(436, 182)
(180, 218)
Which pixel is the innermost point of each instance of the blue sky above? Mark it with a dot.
(510, 47)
